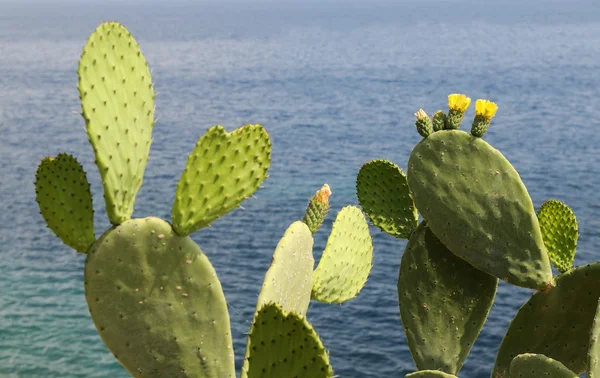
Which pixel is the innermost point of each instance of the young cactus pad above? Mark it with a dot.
(223, 170)
(443, 300)
(346, 262)
(157, 302)
(559, 231)
(383, 193)
(594, 352)
(284, 345)
(476, 204)
(429, 374)
(63, 195)
(537, 365)
(556, 322)
(117, 99)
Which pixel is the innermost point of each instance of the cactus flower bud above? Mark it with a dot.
(423, 123)
(458, 104)
(317, 209)
(485, 110)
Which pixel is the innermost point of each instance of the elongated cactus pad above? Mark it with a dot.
(288, 282)
(63, 194)
(556, 322)
(117, 99)
(537, 365)
(346, 262)
(594, 351)
(476, 204)
(559, 231)
(383, 193)
(444, 302)
(284, 345)
(223, 170)
(429, 374)
(157, 302)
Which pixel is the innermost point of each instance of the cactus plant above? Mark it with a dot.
(559, 232)
(538, 365)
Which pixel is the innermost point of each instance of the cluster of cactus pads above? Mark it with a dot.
(479, 225)
(152, 293)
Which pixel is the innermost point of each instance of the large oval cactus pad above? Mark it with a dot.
(559, 232)
(117, 99)
(594, 351)
(346, 262)
(556, 322)
(223, 170)
(475, 202)
(284, 345)
(383, 193)
(444, 302)
(63, 194)
(429, 374)
(157, 302)
(537, 365)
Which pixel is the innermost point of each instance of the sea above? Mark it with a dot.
(335, 84)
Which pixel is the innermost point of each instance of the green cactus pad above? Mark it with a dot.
(117, 99)
(476, 204)
(346, 262)
(559, 232)
(537, 365)
(223, 170)
(63, 195)
(443, 300)
(285, 346)
(594, 351)
(384, 195)
(157, 302)
(315, 215)
(429, 374)
(555, 322)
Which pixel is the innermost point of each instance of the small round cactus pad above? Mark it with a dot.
(117, 99)
(559, 230)
(430, 374)
(556, 322)
(383, 193)
(284, 345)
(444, 302)
(476, 204)
(537, 365)
(157, 302)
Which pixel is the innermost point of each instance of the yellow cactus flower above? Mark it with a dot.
(322, 195)
(458, 102)
(421, 114)
(485, 108)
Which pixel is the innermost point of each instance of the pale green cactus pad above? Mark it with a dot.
(288, 282)
(117, 99)
(594, 352)
(444, 302)
(284, 345)
(537, 365)
(476, 204)
(560, 233)
(157, 302)
(346, 262)
(383, 193)
(429, 374)
(63, 194)
(555, 322)
(223, 170)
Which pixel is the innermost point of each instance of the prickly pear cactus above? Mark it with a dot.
(555, 322)
(537, 365)
(346, 262)
(317, 209)
(594, 352)
(63, 195)
(476, 204)
(383, 193)
(430, 374)
(153, 295)
(444, 302)
(284, 345)
(117, 102)
(559, 232)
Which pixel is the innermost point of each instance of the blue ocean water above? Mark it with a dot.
(336, 85)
